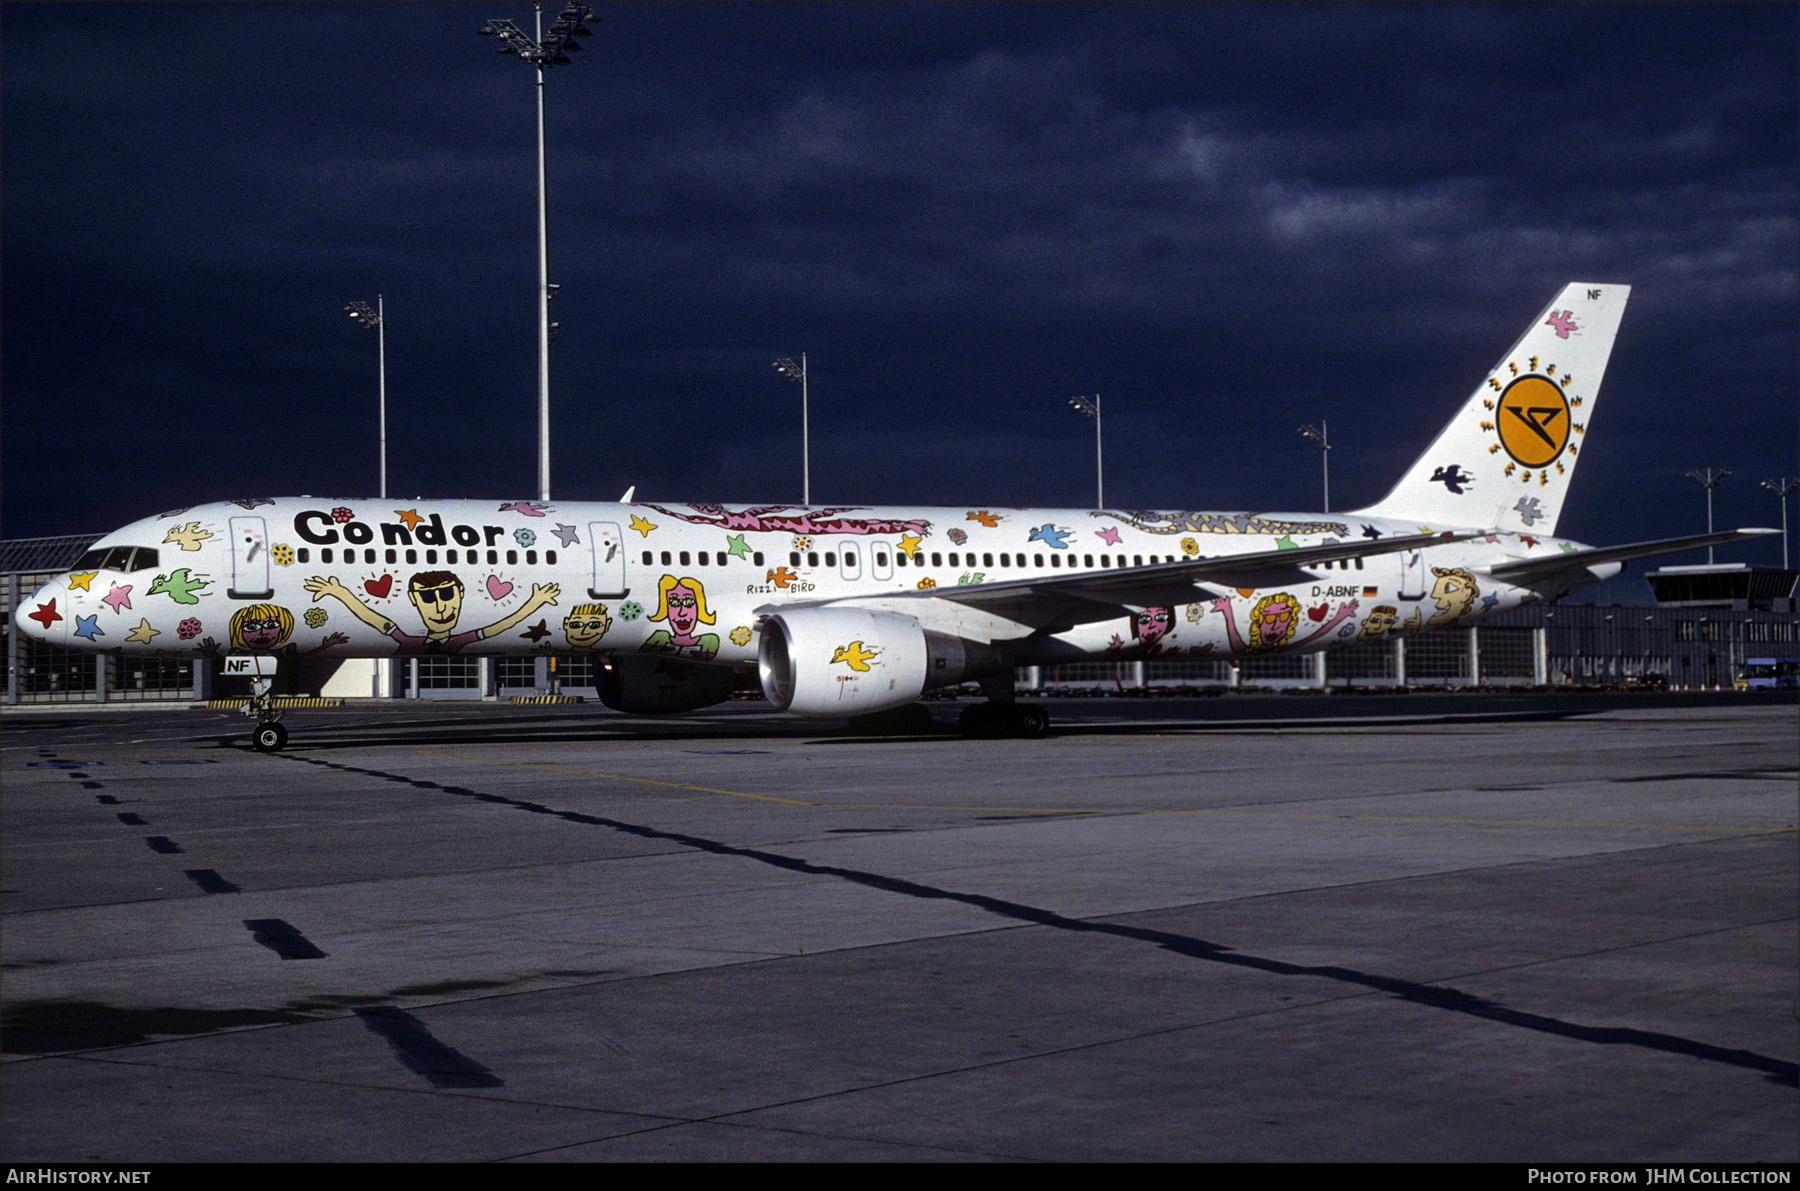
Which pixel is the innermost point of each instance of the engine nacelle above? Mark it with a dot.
(852, 661)
(653, 684)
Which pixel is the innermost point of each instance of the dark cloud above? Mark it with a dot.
(1229, 219)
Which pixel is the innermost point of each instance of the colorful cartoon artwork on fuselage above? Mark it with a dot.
(775, 519)
(1455, 593)
(265, 628)
(1274, 621)
(1149, 627)
(438, 598)
(681, 604)
(1379, 623)
(1173, 523)
(585, 625)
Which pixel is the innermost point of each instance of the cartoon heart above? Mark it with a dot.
(498, 588)
(379, 588)
(1319, 612)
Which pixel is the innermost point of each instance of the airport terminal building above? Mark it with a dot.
(1706, 625)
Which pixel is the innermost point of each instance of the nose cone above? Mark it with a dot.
(42, 615)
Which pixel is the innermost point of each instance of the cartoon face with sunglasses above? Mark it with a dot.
(438, 597)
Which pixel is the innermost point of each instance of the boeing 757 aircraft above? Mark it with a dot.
(856, 611)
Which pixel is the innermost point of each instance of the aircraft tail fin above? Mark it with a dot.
(1505, 461)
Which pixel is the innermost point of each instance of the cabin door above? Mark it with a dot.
(249, 559)
(608, 547)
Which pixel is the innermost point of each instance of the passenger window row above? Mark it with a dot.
(703, 558)
(413, 557)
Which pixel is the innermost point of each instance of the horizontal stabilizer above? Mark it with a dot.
(1530, 570)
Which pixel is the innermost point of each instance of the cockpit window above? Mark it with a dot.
(118, 558)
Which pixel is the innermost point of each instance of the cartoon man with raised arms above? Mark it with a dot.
(438, 596)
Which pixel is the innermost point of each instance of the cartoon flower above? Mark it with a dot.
(801, 542)
(188, 629)
(740, 635)
(283, 554)
(630, 610)
(524, 537)
(341, 514)
(927, 581)
(1190, 547)
(958, 536)
(1194, 613)
(315, 617)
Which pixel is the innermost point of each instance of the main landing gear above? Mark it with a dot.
(1000, 715)
(986, 721)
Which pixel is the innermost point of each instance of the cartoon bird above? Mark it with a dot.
(855, 656)
(188, 536)
(180, 585)
(1051, 536)
(1452, 477)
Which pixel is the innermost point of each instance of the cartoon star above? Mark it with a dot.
(642, 526)
(46, 614)
(1109, 535)
(82, 580)
(409, 516)
(736, 546)
(143, 632)
(87, 626)
(1370, 532)
(909, 545)
(536, 632)
(119, 598)
(1285, 544)
(567, 536)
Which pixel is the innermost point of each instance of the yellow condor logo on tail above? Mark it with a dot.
(855, 656)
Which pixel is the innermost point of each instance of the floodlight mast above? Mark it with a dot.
(543, 53)
(1783, 488)
(797, 372)
(1092, 409)
(373, 320)
(1709, 479)
(1318, 435)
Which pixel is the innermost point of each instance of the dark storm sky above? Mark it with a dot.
(1228, 220)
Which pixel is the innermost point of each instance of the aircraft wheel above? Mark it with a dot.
(982, 721)
(269, 737)
(1028, 720)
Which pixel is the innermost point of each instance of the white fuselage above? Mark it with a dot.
(356, 578)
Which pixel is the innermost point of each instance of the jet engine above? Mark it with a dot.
(852, 661)
(654, 684)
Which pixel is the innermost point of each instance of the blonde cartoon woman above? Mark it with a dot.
(681, 604)
(263, 628)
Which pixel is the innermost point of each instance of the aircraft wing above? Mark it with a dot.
(1085, 596)
(1530, 570)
